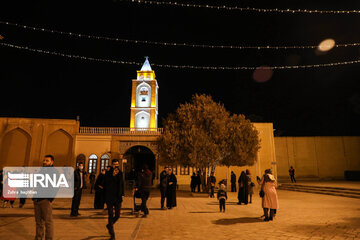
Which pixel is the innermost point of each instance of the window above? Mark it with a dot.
(143, 99)
(104, 161)
(174, 169)
(92, 163)
(184, 170)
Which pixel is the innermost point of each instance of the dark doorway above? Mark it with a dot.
(137, 157)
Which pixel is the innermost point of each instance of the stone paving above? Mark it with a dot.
(301, 216)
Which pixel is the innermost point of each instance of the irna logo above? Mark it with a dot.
(25, 180)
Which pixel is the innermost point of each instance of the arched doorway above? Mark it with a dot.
(137, 157)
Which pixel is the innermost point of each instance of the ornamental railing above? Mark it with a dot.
(120, 131)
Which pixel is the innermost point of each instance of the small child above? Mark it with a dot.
(222, 196)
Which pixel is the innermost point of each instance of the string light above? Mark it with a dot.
(178, 66)
(249, 9)
(171, 44)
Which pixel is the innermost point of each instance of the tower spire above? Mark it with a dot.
(146, 66)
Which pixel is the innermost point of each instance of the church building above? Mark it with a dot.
(24, 141)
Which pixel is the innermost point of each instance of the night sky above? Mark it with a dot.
(302, 102)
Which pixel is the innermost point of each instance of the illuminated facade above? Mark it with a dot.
(144, 99)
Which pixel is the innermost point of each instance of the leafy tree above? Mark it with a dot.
(203, 134)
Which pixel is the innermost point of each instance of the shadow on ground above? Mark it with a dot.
(230, 221)
(16, 215)
(227, 203)
(102, 237)
(205, 212)
(326, 230)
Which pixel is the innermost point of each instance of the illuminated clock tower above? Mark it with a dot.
(144, 99)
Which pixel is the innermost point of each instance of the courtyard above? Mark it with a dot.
(300, 216)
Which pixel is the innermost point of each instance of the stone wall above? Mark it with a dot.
(317, 157)
(25, 141)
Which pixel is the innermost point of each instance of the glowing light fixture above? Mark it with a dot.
(326, 45)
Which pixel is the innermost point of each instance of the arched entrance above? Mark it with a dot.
(137, 157)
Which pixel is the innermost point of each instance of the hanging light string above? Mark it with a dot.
(171, 44)
(177, 66)
(248, 9)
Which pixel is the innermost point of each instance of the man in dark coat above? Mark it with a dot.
(233, 182)
(212, 181)
(171, 190)
(113, 186)
(144, 184)
(99, 199)
(163, 184)
(243, 189)
(79, 184)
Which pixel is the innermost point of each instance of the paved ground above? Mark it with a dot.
(338, 184)
(301, 216)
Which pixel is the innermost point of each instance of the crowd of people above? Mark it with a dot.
(245, 191)
(109, 187)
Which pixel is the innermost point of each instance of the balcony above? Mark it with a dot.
(120, 131)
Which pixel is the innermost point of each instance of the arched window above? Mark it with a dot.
(104, 162)
(92, 163)
(143, 95)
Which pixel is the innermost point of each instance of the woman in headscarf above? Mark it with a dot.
(270, 199)
(171, 190)
(99, 199)
(243, 189)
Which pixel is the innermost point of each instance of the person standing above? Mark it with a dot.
(198, 180)
(222, 197)
(163, 185)
(292, 174)
(243, 189)
(92, 181)
(144, 184)
(212, 181)
(193, 182)
(171, 190)
(270, 199)
(99, 200)
(233, 182)
(113, 186)
(251, 185)
(79, 183)
(43, 210)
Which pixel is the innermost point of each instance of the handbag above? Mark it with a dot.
(262, 193)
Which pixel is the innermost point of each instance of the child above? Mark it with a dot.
(222, 196)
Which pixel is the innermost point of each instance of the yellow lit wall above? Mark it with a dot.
(317, 157)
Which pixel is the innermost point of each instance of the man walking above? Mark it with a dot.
(79, 183)
(144, 186)
(163, 184)
(113, 186)
(43, 210)
(292, 174)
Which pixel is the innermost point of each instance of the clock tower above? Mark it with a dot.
(144, 99)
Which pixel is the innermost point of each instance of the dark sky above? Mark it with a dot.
(319, 101)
